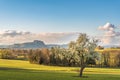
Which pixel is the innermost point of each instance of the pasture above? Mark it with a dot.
(23, 70)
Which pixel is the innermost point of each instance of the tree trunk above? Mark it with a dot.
(81, 71)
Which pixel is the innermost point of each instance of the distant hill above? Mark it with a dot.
(32, 45)
(40, 44)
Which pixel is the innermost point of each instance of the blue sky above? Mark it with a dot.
(40, 16)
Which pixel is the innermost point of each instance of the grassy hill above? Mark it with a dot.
(23, 70)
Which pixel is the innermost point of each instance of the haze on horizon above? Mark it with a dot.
(59, 21)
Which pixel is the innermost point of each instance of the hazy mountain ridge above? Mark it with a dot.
(32, 45)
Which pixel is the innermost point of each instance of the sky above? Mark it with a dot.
(59, 21)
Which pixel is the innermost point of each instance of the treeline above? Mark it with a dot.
(110, 58)
(13, 54)
(61, 57)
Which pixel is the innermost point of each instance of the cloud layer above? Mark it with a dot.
(13, 36)
(110, 34)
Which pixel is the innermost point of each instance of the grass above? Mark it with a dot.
(27, 65)
(22, 70)
(107, 49)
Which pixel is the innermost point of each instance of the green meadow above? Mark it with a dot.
(23, 70)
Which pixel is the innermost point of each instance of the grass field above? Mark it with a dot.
(22, 70)
(107, 49)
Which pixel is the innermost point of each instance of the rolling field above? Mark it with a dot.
(22, 70)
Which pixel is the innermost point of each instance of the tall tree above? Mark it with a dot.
(84, 47)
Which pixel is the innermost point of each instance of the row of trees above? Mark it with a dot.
(7, 54)
(54, 56)
(13, 54)
(110, 58)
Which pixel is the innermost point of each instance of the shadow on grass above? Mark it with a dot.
(81, 77)
(24, 70)
(7, 68)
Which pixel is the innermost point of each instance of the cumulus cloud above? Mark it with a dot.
(110, 33)
(108, 26)
(13, 36)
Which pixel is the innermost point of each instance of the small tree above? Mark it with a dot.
(7, 54)
(34, 56)
(84, 47)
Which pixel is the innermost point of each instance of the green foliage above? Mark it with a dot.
(62, 57)
(91, 61)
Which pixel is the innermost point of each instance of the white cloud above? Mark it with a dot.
(107, 26)
(12, 33)
(109, 34)
(106, 41)
(13, 36)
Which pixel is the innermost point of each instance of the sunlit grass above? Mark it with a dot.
(26, 65)
(107, 49)
(23, 70)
